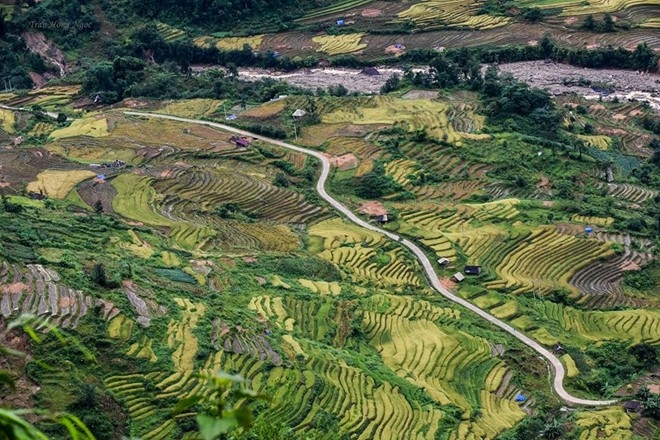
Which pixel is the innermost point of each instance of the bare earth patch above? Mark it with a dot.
(447, 283)
(619, 117)
(372, 209)
(344, 162)
(371, 13)
(571, 20)
(394, 50)
(421, 94)
(14, 289)
(532, 42)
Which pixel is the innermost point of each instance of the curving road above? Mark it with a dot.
(560, 372)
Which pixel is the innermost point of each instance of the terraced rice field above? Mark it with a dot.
(48, 97)
(192, 108)
(543, 261)
(600, 141)
(433, 117)
(267, 110)
(354, 249)
(135, 200)
(452, 367)
(600, 282)
(339, 44)
(230, 43)
(170, 33)
(575, 7)
(91, 126)
(57, 183)
(434, 14)
(629, 192)
(588, 327)
(611, 423)
(189, 190)
(42, 129)
(335, 8)
(37, 290)
(591, 220)
(7, 120)
(653, 23)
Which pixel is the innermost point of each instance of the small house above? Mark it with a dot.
(370, 71)
(632, 406)
(240, 142)
(558, 349)
(299, 113)
(443, 261)
(472, 270)
(458, 277)
(340, 22)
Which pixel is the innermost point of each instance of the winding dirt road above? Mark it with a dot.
(432, 276)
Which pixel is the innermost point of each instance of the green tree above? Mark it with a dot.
(589, 23)
(222, 404)
(608, 23)
(13, 425)
(646, 354)
(98, 207)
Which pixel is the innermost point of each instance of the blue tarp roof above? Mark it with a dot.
(101, 176)
(520, 398)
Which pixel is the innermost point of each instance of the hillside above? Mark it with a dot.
(157, 209)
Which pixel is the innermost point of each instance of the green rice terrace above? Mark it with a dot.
(171, 249)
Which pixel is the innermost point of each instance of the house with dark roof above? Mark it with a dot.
(472, 270)
(632, 406)
(370, 71)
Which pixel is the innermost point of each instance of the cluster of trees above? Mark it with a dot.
(221, 12)
(376, 183)
(67, 22)
(606, 25)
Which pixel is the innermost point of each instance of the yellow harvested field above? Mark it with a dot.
(120, 327)
(192, 108)
(435, 13)
(201, 279)
(601, 142)
(57, 183)
(232, 43)
(322, 287)
(571, 368)
(180, 334)
(170, 259)
(92, 126)
(506, 310)
(339, 44)
(143, 350)
(276, 281)
(606, 423)
(416, 114)
(293, 347)
(267, 110)
(7, 120)
(597, 221)
(651, 23)
(543, 336)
